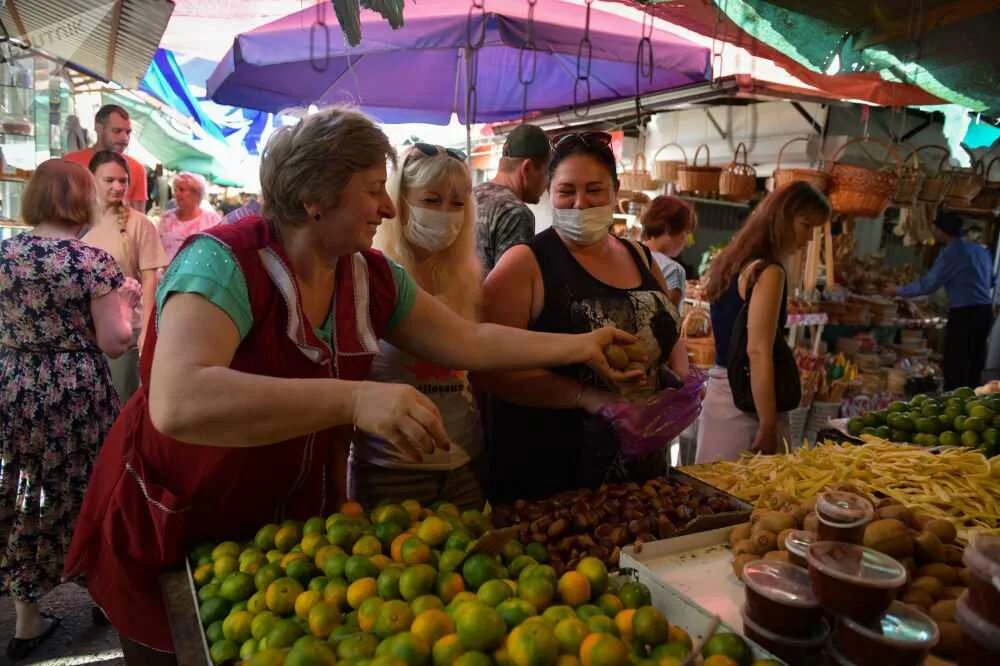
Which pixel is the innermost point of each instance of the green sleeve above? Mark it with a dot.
(406, 294)
(206, 267)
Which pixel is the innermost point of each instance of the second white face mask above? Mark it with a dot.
(433, 230)
(583, 227)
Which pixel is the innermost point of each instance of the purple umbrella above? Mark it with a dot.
(418, 72)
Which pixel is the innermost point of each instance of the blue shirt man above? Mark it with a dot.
(965, 271)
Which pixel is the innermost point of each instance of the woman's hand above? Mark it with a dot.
(592, 353)
(401, 415)
(766, 441)
(130, 296)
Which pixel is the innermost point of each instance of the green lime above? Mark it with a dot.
(960, 423)
(883, 432)
(537, 551)
(975, 423)
(990, 436)
(870, 431)
(214, 632)
(212, 610)
(929, 410)
(945, 422)
(964, 393)
(856, 425)
(983, 412)
(970, 438)
(927, 425)
(900, 436)
(224, 652)
(728, 645)
(899, 421)
(971, 406)
(950, 438)
(896, 407)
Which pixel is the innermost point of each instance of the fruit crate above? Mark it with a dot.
(181, 600)
(692, 576)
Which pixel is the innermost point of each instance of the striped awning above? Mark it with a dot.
(110, 39)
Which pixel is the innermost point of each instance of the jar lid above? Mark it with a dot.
(781, 582)
(856, 564)
(844, 509)
(798, 541)
(976, 627)
(902, 626)
(982, 557)
(815, 640)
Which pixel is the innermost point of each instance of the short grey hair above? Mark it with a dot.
(196, 180)
(312, 161)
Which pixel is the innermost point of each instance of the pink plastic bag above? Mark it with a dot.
(648, 426)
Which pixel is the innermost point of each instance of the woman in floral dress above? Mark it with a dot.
(59, 310)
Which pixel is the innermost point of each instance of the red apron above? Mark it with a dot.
(151, 497)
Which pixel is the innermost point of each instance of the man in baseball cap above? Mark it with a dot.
(503, 219)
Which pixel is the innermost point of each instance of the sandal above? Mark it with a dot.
(19, 648)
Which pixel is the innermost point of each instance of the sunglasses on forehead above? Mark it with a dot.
(430, 150)
(573, 139)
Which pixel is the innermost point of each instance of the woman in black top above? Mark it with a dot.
(542, 429)
(753, 263)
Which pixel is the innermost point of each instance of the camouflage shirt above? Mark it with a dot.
(502, 221)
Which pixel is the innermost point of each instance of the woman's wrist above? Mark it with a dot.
(591, 400)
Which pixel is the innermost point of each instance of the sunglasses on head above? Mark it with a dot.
(430, 150)
(574, 139)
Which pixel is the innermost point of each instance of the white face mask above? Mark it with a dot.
(433, 230)
(583, 227)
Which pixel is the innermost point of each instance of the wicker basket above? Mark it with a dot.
(859, 191)
(815, 177)
(911, 176)
(738, 180)
(638, 177)
(988, 197)
(700, 348)
(701, 179)
(665, 171)
(934, 186)
(965, 184)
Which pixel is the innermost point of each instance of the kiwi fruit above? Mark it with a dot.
(944, 573)
(778, 555)
(930, 585)
(943, 529)
(782, 535)
(776, 521)
(921, 519)
(741, 561)
(897, 511)
(739, 533)
(635, 352)
(950, 641)
(953, 555)
(744, 547)
(811, 523)
(889, 536)
(763, 541)
(964, 577)
(944, 611)
(952, 592)
(928, 547)
(617, 358)
(918, 597)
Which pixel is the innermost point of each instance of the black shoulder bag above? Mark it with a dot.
(787, 384)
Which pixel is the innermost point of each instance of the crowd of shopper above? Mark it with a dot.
(365, 369)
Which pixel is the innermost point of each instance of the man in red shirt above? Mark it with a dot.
(114, 129)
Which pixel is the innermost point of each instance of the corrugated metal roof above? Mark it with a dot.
(114, 39)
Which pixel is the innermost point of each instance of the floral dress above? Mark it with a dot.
(56, 399)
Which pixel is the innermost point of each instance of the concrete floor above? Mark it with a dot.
(75, 643)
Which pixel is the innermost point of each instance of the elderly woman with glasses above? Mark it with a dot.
(543, 432)
(188, 218)
(255, 376)
(432, 236)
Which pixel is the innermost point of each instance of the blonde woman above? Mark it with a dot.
(433, 237)
(189, 217)
(129, 237)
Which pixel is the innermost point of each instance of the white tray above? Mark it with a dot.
(691, 579)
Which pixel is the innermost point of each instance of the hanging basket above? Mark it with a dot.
(911, 176)
(665, 171)
(935, 186)
(638, 178)
(859, 191)
(700, 179)
(738, 180)
(965, 185)
(988, 197)
(696, 332)
(815, 177)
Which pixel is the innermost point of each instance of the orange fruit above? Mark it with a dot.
(352, 509)
(679, 635)
(324, 554)
(609, 604)
(415, 551)
(394, 617)
(256, 603)
(262, 623)
(281, 595)
(623, 620)
(396, 549)
(596, 573)
(478, 569)
(447, 650)
(335, 593)
(556, 614)
(413, 508)
(237, 626)
(432, 625)
(368, 613)
(536, 591)
(305, 602)
(323, 618)
(570, 634)
(357, 646)
(532, 643)
(315, 525)
(265, 537)
(360, 590)
(391, 513)
(479, 627)
(380, 561)
(367, 546)
(204, 574)
(310, 654)
(603, 650)
(634, 595)
(416, 581)
(226, 549)
(425, 603)
(574, 588)
(288, 558)
(494, 592)
(449, 585)
(434, 531)
(719, 660)
(405, 647)
(649, 626)
(283, 634)
(225, 565)
(515, 611)
(311, 543)
(568, 660)
(286, 538)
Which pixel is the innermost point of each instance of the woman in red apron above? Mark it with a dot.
(253, 374)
